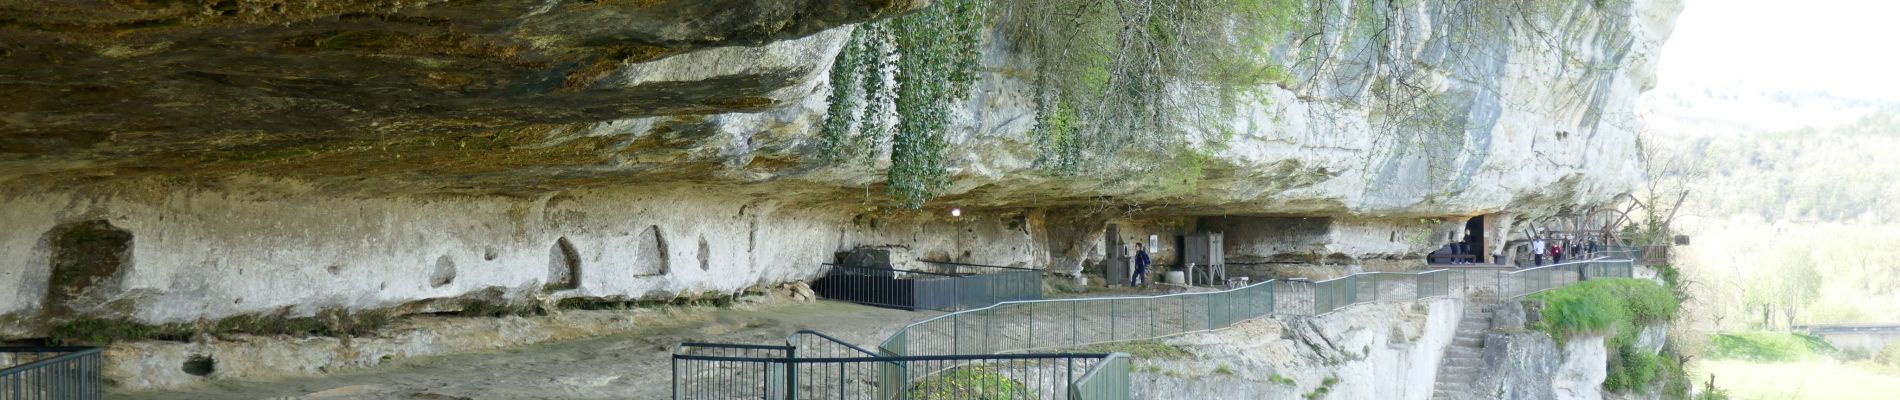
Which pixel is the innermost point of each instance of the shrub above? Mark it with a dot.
(1280, 379)
(1599, 306)
(1638, 369)
(1616, 307)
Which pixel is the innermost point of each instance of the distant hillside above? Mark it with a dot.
(1840, 173)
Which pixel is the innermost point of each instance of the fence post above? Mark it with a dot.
(1152, 310)
(956, 333)
(791, 373)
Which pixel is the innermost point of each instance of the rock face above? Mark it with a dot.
(1371, 351)
(1531, 365)
(268, 158)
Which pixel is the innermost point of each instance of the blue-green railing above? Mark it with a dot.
(62, 373)
(1006, 350)
(1525, 282)
(1023, 326)
(815, 366)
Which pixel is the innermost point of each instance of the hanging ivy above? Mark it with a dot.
(935, 64)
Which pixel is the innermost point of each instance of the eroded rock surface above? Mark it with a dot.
(288, 158)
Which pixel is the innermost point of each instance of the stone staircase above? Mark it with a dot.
(1463, 359)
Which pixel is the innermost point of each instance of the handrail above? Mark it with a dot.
(926, 347)
(1568, 263)
(881, 359)
(734, 345)
(791, 341)
(1541, 278)
(1266, 282)
(1220, 308)
(72, 352)
(74, 374)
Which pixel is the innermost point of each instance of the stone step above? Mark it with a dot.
(1463, 359)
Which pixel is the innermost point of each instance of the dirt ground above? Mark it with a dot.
(629, 365)
(632, 365)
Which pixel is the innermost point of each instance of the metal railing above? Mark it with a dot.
(35, 373)
(1109, 381)
(815, 366)
(1525, 282)
(1618, 252)
(1006, 350)
(1023, 326)
(921, 290)
(729, 371)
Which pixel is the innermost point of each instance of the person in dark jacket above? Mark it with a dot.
(1141, 265)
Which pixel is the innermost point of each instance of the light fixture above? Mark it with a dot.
(956, 212)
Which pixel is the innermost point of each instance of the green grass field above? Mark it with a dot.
(1806, 380)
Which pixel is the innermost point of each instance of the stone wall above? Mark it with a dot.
(208, 254)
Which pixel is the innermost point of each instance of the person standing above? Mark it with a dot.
(1557, 253)
(1537, 250)
(1141, 265)
(1457, 248)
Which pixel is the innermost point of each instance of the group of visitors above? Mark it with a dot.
(1555, 251)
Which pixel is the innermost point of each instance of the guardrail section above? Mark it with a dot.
(816, 366)
(36, 373)
(1525, 282)
(1022, 326)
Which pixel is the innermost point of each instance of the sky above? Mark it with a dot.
(1739, 66)
(1846, 47)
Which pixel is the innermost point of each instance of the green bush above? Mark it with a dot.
(1632, 370)
(1599, 306)
(1616, 307)
(1767, 346)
